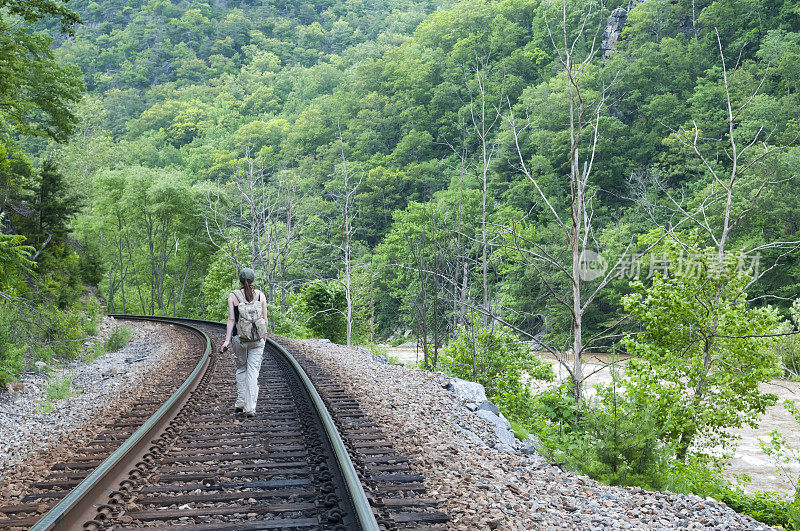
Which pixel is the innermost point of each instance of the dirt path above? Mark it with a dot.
(748, 459)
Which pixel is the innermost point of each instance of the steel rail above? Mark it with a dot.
(79, 505)
(84, 496)
(355, 490)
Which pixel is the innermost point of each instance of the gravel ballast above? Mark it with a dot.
(35, 431)
(481, 487)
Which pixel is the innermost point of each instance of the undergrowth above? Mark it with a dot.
(118, 338)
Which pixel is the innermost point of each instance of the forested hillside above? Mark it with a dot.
(616, 178)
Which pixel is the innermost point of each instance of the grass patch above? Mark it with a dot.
(519, 430)
(59, 389)
(380, 352)
(118, 338)
(97, 350)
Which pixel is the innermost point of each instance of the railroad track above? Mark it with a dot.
(195, 464)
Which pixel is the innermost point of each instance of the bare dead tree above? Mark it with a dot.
(346, 200)
(575, 228)
(265, 209)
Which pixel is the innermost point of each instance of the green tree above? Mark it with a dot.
(702, 351)
(36, 92)
(55, 205)
(325, 306)
(499, 361)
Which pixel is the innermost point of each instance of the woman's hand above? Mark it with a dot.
(224, 346)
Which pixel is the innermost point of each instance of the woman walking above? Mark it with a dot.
(247, 330)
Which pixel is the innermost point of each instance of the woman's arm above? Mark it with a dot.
(231, 322)
(264, 310)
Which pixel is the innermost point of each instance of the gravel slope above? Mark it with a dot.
(35, 432)
(483, 488)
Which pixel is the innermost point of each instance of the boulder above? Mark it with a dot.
(528, 448)
(493, 419)
(470, 435)
(613, 31)
(505, 436)
(467, 391)
(502, 447)
(488, 406)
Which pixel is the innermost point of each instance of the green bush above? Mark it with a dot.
(90, 307)
(97, 350)
(625, 440)
(496, 359)
(612, 438)
(696, 477)
(60, 388)
(119, 338)
(292, 322)
(63, 332)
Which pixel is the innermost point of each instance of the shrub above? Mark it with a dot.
(97, 350)
(63, 332)
(500, 362)
(612, 438)
(12, 354)
(119, 338)
(91, 310)
(696, 477)
(625, 439)
(291, 322)
(59, 389)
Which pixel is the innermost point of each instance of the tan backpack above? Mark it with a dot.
(252, 325)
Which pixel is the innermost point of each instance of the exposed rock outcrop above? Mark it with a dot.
(613, 31)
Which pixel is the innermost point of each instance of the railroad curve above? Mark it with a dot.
(195, 464)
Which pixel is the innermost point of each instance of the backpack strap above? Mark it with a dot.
(240, 295)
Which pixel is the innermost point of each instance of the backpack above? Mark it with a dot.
(251, 325)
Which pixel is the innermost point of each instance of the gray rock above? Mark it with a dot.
(488, 406)
(495, 420)
(468, 391)
(503, 447)
(613, 31)
(505, 436)
(471, 435)
(528, 448)
(363, 350)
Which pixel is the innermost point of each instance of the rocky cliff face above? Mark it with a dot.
(613, 30)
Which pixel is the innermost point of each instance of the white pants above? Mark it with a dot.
(248, 357)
